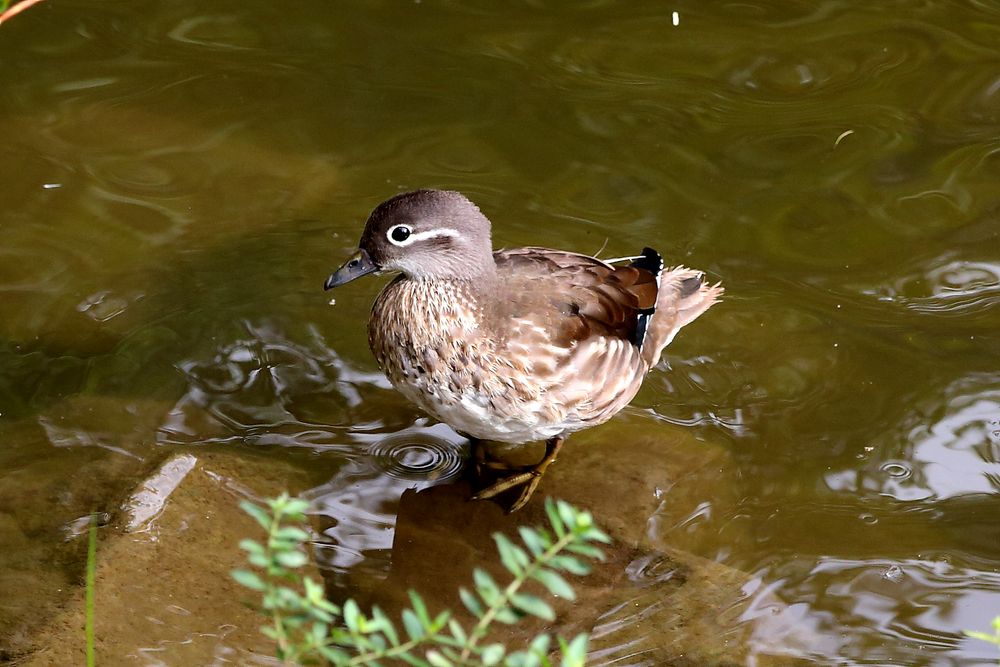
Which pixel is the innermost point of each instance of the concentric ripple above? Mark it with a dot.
(417, 456)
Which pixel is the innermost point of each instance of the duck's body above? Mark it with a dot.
(516, 345)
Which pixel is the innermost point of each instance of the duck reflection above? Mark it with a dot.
(356, 511)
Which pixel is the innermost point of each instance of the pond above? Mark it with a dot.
(179, 180)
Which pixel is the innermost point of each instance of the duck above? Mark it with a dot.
(515, 345)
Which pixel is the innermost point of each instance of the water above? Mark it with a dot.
(179, 180)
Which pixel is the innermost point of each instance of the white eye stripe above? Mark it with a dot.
(420, 236)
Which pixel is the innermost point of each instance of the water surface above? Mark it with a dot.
(179, 180)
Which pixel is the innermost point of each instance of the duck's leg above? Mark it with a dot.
(481, 462)
(529, 478)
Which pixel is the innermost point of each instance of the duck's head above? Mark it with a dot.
(427, 235)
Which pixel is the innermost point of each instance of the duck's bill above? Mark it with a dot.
(359, 264)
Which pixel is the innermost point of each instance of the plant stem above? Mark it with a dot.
(91, 577)
(479, 631)
(279, 625)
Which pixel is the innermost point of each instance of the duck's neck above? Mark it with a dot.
(477, 275)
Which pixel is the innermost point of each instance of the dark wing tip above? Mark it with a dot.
(691, 285)
(650, 261)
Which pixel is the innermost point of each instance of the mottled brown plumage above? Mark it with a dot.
(516, 345)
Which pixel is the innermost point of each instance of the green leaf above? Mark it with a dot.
(457, 631)
(296, 506)
(570, 564)
(575, 653)
(259, 514)
(596, 535)
(440, 620)
(412, 624)
(533, 540)
(322, 615)
(438, 660)
(252, 546)
(516, 659)
(492, 654)
(486, 587)
(291, 559)
(587, 550)
(411, 659)
(334, 655)
(538, 660)
(259, 560)
(318, 632)
(352, 616)
(291, 533)
(507, 615)
(471, 602)
(314, 590)
(279, 502)
(540, 644)
(385, 625)
(249, 579)
(568, 514)
(555, 583)
(533, 605)
(557, 524)
(512, 557)
(419, 608)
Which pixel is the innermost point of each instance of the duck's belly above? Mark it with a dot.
(477, 414)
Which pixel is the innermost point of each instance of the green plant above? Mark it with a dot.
(309, 628)
(993, 639)
(90, 585)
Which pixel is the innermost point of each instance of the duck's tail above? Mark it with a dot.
(682, 296)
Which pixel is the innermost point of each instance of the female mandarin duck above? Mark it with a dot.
(514, 345)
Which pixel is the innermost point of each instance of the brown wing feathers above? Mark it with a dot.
(593, 298)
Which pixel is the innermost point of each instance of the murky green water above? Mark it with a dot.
(178, 179)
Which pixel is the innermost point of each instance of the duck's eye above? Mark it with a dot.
(399, 234)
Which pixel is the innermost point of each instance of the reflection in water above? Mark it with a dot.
(357, 508)
(954, 288)
(944, 447)
(874, 611)
(266, 389)
(269, 390)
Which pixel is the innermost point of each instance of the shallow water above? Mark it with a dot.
(179, 180)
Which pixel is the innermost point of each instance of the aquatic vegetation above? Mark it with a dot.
(90, 586)
(309, 628)
(993, 639)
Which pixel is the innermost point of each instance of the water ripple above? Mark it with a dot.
(952, 288)
(864, 602)
(948, 446)
(266, 389)
(417, 456)
(357, 508)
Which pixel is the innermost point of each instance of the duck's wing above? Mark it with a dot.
(574, 296)
(590, 328)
